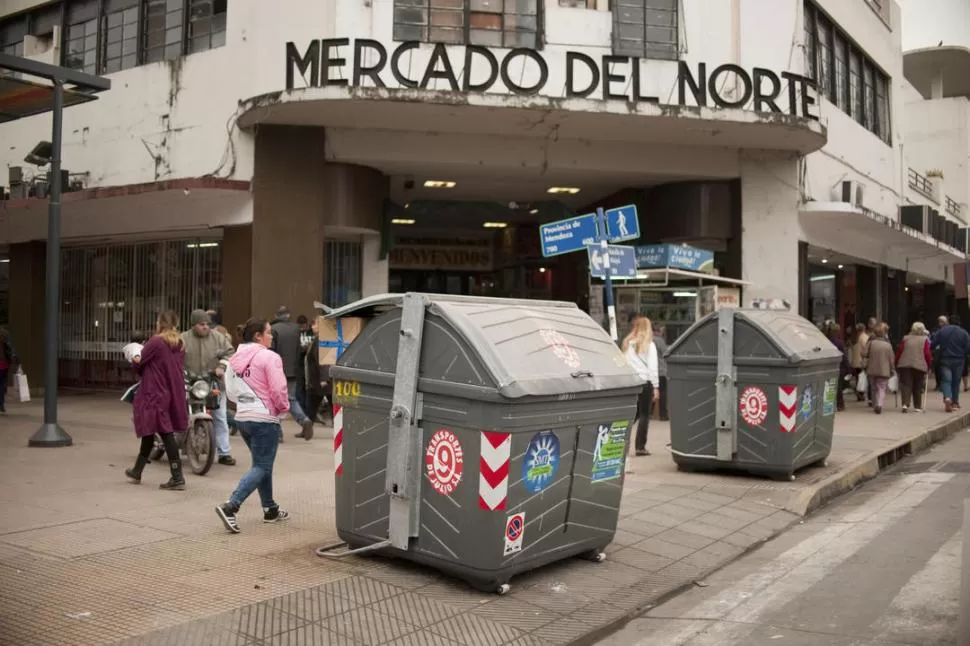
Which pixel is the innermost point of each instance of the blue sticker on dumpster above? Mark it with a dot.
(610, 451)
(806, 408)
(541, 461)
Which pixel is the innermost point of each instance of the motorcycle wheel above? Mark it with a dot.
(200, 445)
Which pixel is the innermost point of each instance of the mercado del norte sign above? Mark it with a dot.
(526, 72)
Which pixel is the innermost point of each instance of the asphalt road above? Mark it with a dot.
(880, 567)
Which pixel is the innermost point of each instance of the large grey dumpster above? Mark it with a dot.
(481, 436)
(752, 390)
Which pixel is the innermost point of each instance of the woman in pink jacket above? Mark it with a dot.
(256, 383)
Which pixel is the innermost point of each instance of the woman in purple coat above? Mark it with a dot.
(159, 406)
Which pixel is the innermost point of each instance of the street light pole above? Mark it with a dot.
(603, 235)
(50, 434)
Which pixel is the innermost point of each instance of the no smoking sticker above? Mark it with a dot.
(444, 461)
(514, 531)
(753, 406)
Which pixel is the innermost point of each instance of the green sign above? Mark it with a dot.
(828, 399)
(610, 451)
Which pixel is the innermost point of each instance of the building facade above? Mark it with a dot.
(248, 157)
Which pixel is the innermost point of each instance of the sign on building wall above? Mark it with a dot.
(445, 254)
(364, 62)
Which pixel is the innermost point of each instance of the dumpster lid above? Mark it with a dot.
(793, 337)
(531, 347)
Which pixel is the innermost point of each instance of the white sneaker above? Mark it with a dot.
(905, 409)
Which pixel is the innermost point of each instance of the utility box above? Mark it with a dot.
(752, 390)
(481, 436)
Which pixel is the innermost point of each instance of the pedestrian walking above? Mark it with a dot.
(319, 389)
(8, 358)
(642, 354)
(257, 384)
(953, 344)
(286, 343)
(159, 407)
(880, 365)
(914, 360)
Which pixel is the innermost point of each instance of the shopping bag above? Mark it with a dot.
(23, 388)
(893, 385)
(129, 396)
(862, 384)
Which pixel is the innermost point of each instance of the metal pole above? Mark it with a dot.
(607, 274)
(50, 434)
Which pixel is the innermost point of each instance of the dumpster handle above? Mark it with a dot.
(329, 551)
(581, 373)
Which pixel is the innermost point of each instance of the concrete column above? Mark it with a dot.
(936, 86)
(287, 230)
(237, 275)
(27, 272)
(769, 218)
(375, 270)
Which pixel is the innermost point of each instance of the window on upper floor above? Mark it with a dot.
(848, 78)
(105, 36)
(646, 28)
(490, 23)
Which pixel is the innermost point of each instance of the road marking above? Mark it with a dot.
(929, 601)
(731, 615)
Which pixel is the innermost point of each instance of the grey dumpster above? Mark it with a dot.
(483, 437)
(752, 390)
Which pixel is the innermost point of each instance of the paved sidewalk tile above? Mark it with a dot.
(87, 558)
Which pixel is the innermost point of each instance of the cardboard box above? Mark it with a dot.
(336, 335)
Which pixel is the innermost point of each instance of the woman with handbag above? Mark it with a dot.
(159, 406)
(642, 354)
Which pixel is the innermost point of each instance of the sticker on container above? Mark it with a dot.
(493, 470)
(560, 347)
(514, 531)
(787, 408)
(805, 411)
(828, 398)
(753, 406)
(443, 461)
(541, 461)
(610, 451)
(346, 392)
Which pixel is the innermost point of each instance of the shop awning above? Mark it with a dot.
(664, 276)
(865, 234)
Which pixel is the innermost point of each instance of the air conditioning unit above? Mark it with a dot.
(915, 217)
(850, 192)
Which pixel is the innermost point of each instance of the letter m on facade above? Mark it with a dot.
(309, 61)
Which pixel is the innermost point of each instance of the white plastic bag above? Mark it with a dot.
(862, 383)
(23, 388)
(893, 385)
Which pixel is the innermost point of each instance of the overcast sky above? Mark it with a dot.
(927, 22)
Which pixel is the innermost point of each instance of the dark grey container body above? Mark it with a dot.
(535, 391)
(786, 375)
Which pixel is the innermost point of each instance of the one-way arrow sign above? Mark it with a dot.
(623, 261)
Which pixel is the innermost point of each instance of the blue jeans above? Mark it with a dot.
(220, 426)
(263, 439)
(296, 410)
(951, 371)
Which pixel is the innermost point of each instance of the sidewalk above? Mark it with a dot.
(87, 558)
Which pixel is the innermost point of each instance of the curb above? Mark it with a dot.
(835, 485)
(869, 466)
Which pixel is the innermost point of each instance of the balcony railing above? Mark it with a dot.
(921, 184)
(953, 208)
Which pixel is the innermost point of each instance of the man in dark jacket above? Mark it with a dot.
(953, 344)
(319, 389)
(286, 343)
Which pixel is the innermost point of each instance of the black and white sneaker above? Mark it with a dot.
(227, 513)
(275, 515)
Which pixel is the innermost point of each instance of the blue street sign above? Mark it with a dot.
(670, 256)
(622, 223)
(566, 236)
(623, 261)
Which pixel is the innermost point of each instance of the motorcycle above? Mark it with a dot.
(198, 441)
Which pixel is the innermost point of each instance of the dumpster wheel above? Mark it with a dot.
(503, 589)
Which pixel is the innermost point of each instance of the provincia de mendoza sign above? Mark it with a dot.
(362, 63)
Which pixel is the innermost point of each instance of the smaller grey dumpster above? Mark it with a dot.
(752, 390)
(481, 436)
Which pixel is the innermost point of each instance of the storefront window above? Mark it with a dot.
(111, 292)
(343, 273)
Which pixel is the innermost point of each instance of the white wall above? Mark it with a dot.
(927, 22)
(165, 121)
(852, 152)
(938, 137)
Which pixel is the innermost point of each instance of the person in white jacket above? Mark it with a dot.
(642, 353)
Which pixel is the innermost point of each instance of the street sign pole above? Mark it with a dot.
(602, 234)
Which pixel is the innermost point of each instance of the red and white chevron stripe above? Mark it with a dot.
(493, 467)
(787, 407)
(338, 439)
